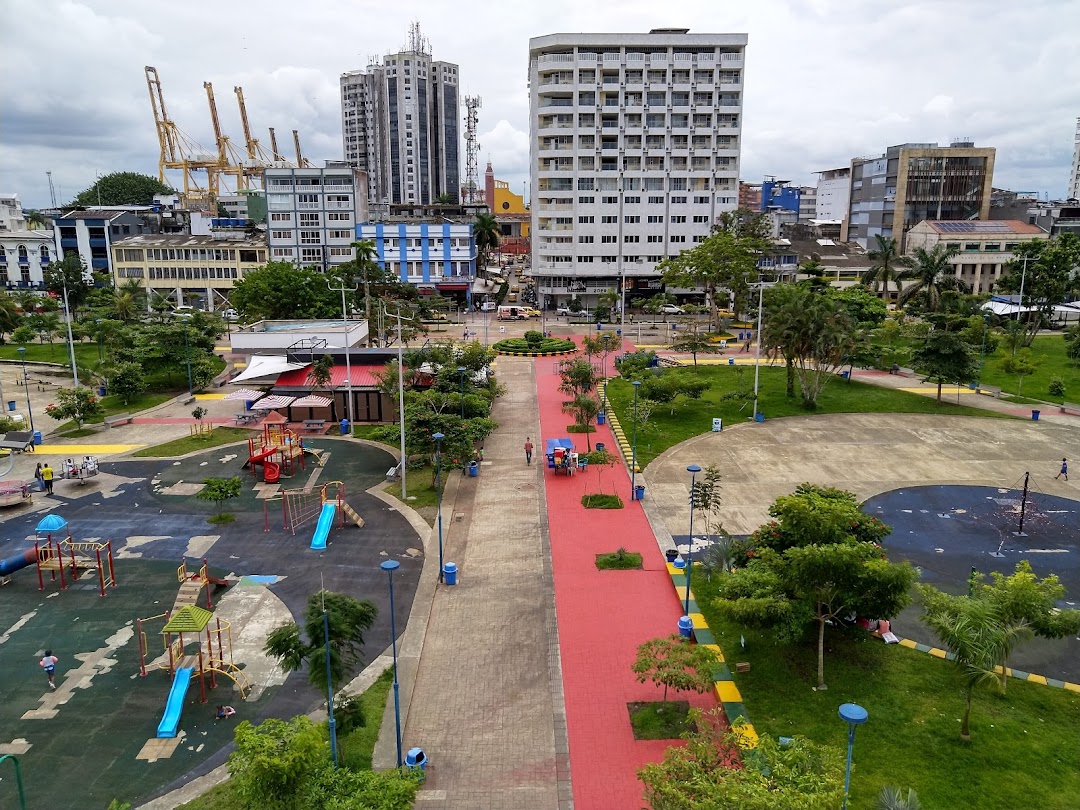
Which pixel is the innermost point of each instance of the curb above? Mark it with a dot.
(625, 448)
(1019, 674)
(534, 354)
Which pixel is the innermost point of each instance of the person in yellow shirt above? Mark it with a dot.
(47, 477)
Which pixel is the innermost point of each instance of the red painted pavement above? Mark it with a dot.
(603, 616)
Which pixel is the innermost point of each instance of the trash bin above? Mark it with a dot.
(101, 391)
(37, 437)
(1035, 416)
(759, 417)
(248, 403)
(601, 418)
(731, 361)
(599, 447)
(344, 427)
(686, 627)
(672, 554)
(416, 760)
(844, 374)
(639, 492)
(450, 573)
(11, 405)
(474, 469)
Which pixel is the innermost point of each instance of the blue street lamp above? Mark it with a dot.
(633, 446)
(390, 566)
(854, 715)
(329, 687)
(461, 374)
(982, 353)
(693, 469)
(438, 437)
(26, 386)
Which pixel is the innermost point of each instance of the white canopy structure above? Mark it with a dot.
(265, 368)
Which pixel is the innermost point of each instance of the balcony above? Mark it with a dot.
(556, 59)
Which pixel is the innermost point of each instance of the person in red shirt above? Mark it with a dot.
(528, 450)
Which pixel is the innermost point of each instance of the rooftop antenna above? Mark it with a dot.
(472, 148)
(52, 191)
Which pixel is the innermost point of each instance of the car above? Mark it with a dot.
(532, 313)
(562, 310)
(671, 309)
(229, 314)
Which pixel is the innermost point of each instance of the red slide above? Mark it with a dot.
(271, 471)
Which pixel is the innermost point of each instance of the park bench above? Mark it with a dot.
(48, 385)
(1070, 407)
(18, 440)
(187, 399)
(990, 391)
(119, 419)
(314, 424)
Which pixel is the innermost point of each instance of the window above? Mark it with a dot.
(126, 255)
(341, 251)
(609, 220)
(698, 239)
(656, 200)
(632, 220)
(655, 238)
(285, 236)
(310, 237)
(282, 252)
(281, 217)
(586, 183)
(701, 220)
(585, 259)
(655, 219)
(631, 238)
(585, 240)
(992, 246)
(654, 259)
(586, 200)
(608, 240)
(609, 259)
(346, 216)
(971, 246)
(678, 220)
(678, 201)
(632, 200)
(586, 220)
(341, 234)
(701, 200)
(309, 220)
(609, 200)
(679, 239)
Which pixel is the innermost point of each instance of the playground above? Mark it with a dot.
(185, 610)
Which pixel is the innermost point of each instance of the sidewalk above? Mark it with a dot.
(487, 705)
(603, 616)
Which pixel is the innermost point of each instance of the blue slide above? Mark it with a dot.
(322, 530)
(170, 721)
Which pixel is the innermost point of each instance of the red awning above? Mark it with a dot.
(452, 287)
(363, 376)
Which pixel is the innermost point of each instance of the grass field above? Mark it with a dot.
(190, 444)
(1024, 746)
(671, 424)
(1049, 352)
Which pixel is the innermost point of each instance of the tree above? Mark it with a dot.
(818, 515)
(701, 775)
(71, 270)
(322, 372)
(365, 265)
(978, 636)
(444, 199)
(219, 490)
(578, 377)
(346, 789)
(892, 798)
(80, 404)
(886, 260)
(707, 499)
(294, 646)
(674, 662)
(726, 259)
(1020, 364)
(1046, 270)
(691, 340)
(815, 584)
(584, 409)
(10, 318)
(282, 291)
(1021, 598)
(945, 357)
(932, 271)
(276, 760)
(862, 306)
(121, 188)
(127, 381)
(486, 232)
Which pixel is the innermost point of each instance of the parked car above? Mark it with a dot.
(562, 311)
(229, 314)
(671, 309)
(488, 306)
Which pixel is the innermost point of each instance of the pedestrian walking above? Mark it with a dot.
(528, 450)
(47, 476)
(48, 662)
(1064, 470)
(38, 477)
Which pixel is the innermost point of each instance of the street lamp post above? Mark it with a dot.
(854, 715)
(26, 385)
(390, 566)
(461, 375)
(693, 469)
(71, 340)
(757, 355)
(438, 437)
(329, 687)
(187, 358)
(345, 340)
(633, 446)
(982, 352)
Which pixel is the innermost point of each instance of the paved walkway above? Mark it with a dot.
(603, 616)
(487, 702)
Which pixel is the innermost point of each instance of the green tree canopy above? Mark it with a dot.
(886, 267)
(933, 275)
(486, 233)
(674, 663)
(275, 762)
(862, 306)
(281, 291)
(945, 358)
(1050, 276)
(71, 270)
(121, 188)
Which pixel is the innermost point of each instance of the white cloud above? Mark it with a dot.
(826, 80)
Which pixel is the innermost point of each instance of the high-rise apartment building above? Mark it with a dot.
(1074, 175)
(634, 147)
(833, 194)
(400, 124)
(914, 182)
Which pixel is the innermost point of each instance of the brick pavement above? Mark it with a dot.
(487, 704)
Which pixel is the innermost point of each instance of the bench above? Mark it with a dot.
(314, 424)
(119, 419)
(989, 390)
(392, 473)
(187, 400)
(1070, 407)
(46, 385)
(18, 440)
(245, 418)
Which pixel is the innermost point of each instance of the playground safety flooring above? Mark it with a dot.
(104, 711)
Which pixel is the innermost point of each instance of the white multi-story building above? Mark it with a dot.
(311, 214)
(833, 194)
(1074, 175)
(807, 203)
(24, 253)
(634, 147)
(399, 123)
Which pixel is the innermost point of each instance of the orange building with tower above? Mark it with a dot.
(511, 212)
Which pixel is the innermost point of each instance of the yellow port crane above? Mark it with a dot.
(273, 147)
(301, 161)
(229, 160)
(257, 159)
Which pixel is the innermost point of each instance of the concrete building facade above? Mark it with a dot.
(90, 234)
(985, 248)
(1074, 176)
(634, 152)
(400, 124)
(24, 252)
(312, 213)
(914, 182)
(833, 194)
(185, 270)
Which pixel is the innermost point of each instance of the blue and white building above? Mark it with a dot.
(434, 254)
(24, 252)
(91, 233)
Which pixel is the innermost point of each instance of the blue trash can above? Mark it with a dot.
(248, 403)
(599, 447)
(844, 374)
(416, 760)
(759, 417)
(450, 573)
(731, 361)
(639, 492)
(1035, 416)
(101, 391)
(601, 418)
(37, 437)
(344, 427)
(686, 627)
(474, 469)
(11, 405)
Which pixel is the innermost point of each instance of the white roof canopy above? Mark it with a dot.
(266, 368)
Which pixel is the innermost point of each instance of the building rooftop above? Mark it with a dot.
(99, 213)
(185, 240)
(984, 226)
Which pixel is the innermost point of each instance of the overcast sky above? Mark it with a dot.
(826, 80)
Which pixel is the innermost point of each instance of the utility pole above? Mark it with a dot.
(345, 340)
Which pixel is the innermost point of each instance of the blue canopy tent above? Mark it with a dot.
(566, 446)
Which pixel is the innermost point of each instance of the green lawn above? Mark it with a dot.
(86, 354)
(420, 487)
(1024, 746)
(189, 444)
(1049, 353)
(693, 417)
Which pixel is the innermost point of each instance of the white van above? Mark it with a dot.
(511, 314)
(488, 306)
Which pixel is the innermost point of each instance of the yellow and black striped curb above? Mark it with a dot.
(535, 354)
(937, 652)
(625, 448)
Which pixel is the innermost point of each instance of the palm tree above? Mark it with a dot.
(486, 231)
(892, 798)
(886, 259)
(36, 219)
(365, 261)
(932, 271)
(347, 619)
(9, 314)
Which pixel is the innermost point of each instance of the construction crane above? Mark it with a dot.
(273, 147)
(257, 157)
(229, 160)
(181, 153)
(301, 161)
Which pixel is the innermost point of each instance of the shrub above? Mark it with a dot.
(620, 560)
(1056, 387)
(545, 346)
(534, 338)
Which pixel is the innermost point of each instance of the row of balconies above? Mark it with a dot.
(557, 61)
